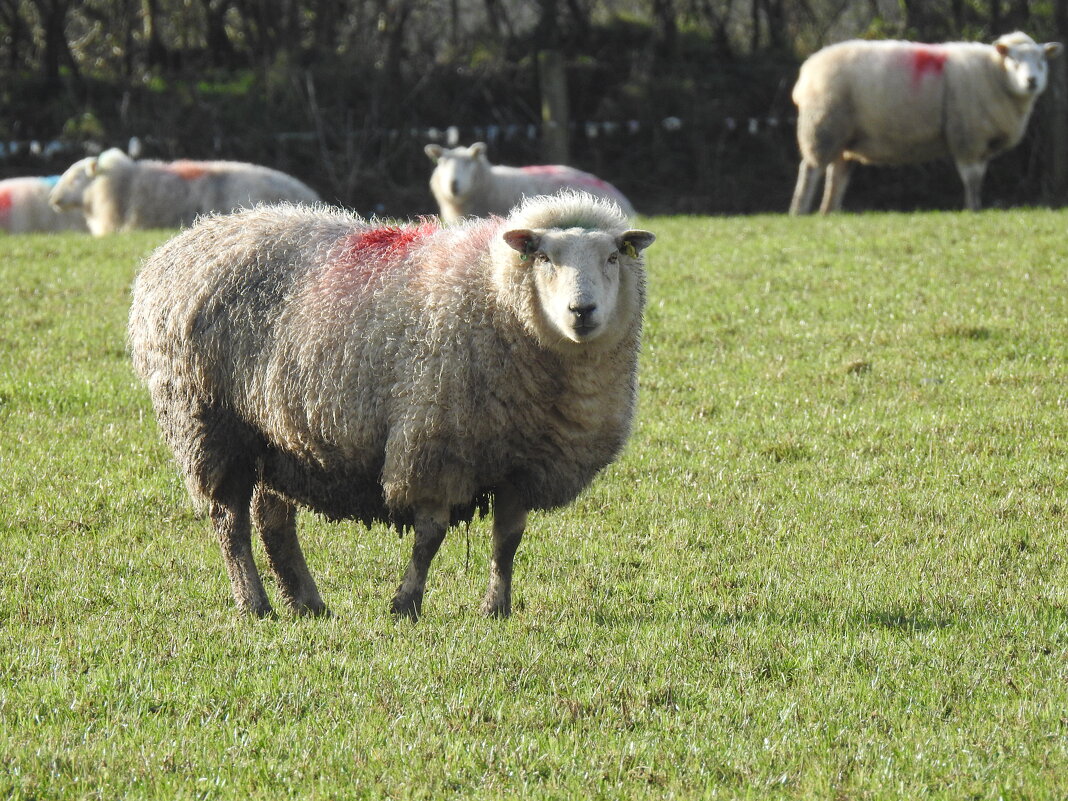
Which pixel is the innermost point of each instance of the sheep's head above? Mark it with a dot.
(1024, 62)
(458, 169)
(71, 186)
(69, 191)
(577, 274)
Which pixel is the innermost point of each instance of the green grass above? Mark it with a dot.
(830, 564)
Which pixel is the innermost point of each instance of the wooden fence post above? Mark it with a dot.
(554, 107)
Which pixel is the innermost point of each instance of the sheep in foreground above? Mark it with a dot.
(24, 207)
(116, 193)
(901, 102)
(465, 184)
(407, 374)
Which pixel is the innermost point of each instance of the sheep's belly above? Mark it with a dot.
(874, 149)
(346, 494)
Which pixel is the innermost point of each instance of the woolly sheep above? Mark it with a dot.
(465, 184)
(116, 193)
(406, 374)
(895, 103)
(24, 207)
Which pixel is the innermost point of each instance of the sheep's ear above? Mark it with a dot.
(1002, 48)
(92, 167)
(477, 149)
(1053, 49)
(635, 241)
(434, 151)
(522, 239)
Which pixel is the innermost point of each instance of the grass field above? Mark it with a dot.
(830, 565)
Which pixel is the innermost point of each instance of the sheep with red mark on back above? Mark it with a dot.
(890, 103)
(410, 374)
(465, 184)
(116, 193)
(24, 207)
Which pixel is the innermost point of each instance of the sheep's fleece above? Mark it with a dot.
(410, 374)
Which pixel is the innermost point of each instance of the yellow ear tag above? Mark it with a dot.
(630, 250)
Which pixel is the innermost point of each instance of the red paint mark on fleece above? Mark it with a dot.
(390, 242)
(569, 176)
(5, 203)
(188, 170)
(926, 59)
(369, 252)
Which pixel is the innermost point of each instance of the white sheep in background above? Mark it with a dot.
(116, 193)
(407, 374)
(24, 207)
(465, 184)
(892, 103)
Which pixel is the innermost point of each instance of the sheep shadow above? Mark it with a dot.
(902, 619)
(909, 621)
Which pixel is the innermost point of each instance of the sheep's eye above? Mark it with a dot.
(540, 257)
(613, 258)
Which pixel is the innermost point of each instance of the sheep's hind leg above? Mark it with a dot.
(430, 526)
(229, 510)
(808, 181)
(835, 186)
(276, 521)
(509, 522)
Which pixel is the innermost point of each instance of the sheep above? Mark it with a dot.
(464, 183)
(24, 207)
(891, 103)
(116, 193)
(409, 374)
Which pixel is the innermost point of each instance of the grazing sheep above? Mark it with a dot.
(902, 102)
(116, 193)
(465, 184)
(407, 374)
(24, 207)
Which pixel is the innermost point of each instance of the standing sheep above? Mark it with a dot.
(116, 193)
(902, 102)
(24, 207)
(408, 374)
(465, 184)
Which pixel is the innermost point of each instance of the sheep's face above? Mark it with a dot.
(1025, 64)
(70, 188)
(458, 169)
(577, 274)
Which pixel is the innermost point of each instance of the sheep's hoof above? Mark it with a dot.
(259, 612)
(408, 606)
(319, 610)
(496, 608)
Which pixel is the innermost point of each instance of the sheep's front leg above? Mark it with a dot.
(276, 520)
(430, 526)
(509, 522)
(229, 511)
(971, 175)
(808, 181)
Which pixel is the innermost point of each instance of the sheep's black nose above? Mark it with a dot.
(454, 187)
(582, 313)
(1032, 83)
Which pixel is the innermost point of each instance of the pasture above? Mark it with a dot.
(830, 564)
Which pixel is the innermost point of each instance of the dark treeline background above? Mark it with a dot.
(684, 104)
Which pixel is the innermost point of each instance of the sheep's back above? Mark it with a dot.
(512, 184)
